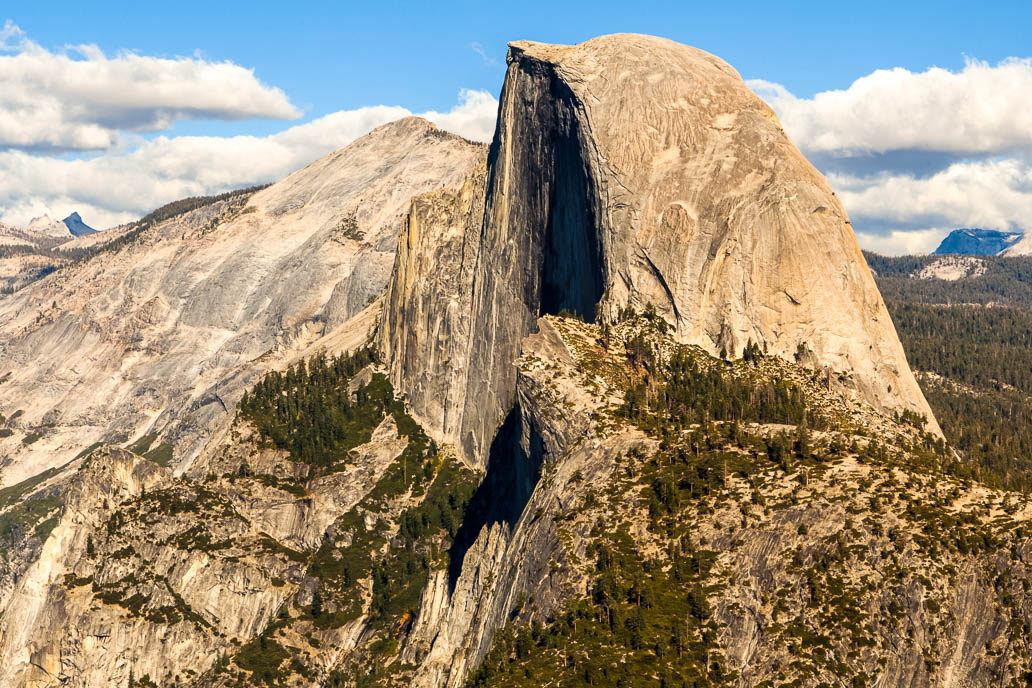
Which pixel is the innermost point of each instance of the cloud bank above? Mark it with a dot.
(914, 155)
(980, 109)
(81, 99)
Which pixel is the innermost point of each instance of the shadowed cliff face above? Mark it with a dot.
(571, 270)
(513, 470)
(539, 245)
(475, 270)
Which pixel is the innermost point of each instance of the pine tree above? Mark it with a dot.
(317, 604)
(802, 444)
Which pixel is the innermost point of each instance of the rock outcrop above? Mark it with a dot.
(155, 575)
(1021, 247)
(628, 171)
(76, 226)
(49, 227)
(952, 268)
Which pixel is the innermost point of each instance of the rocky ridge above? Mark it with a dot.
(978, 242)
(49, 227)
(952, 268)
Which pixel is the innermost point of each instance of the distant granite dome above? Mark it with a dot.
(76, 226)
(977, 242)
(48, 226)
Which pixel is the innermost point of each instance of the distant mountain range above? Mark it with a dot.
(979, 242)
(32, 252)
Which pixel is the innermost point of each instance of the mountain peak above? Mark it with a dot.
(977, 242)
(76, 226)
(608, 191)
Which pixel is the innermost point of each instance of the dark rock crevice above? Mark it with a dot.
(571, 269)
(540, 242)
(513, 470)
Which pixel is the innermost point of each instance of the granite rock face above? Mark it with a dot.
(50, 227)
(427, 327)
(149, 573)
(556, 455)
(627, 171)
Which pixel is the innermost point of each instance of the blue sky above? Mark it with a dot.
(328, 57)
(332, 55)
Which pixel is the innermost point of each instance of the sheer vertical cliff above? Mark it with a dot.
(626, 171)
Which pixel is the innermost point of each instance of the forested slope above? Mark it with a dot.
(970, 342)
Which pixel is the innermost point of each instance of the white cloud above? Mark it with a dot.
(80, 99)
(991, 193)
(903, 242)
(11, 36)
(479, 50)
(114, 188)
(474, 117)
(981, 109)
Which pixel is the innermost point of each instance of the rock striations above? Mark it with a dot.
(626, 171)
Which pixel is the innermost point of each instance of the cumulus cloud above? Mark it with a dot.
(902, 242)
(983, 108)
(78, 98)
(989, 193)
(474, 117)
(113, 188)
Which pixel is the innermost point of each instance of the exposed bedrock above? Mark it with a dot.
(625, 171)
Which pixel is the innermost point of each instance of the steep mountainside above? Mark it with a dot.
(627, 410)
(969, 339)
(76, 226)
(651, 515)
(151, 342)
(1023, 247)
(27, 256)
